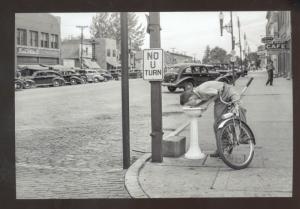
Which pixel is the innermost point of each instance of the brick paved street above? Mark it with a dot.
(69, 139)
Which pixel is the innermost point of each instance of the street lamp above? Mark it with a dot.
(229, 29)
(221, 16)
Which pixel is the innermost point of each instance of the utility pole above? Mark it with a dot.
(81, 27)
(156, 105)
(240, 44)
(125, 90)
(232, 46)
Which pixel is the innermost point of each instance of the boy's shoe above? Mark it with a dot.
(215, 154)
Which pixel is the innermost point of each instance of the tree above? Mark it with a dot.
(218, 55)
(206, 57)
(107, 25)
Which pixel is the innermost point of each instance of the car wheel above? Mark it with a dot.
(73, 81)
(18, 85)
(27, 85)
(96, 80)
(188, 85)
(171, 88)
(84, 80)
(56, 83)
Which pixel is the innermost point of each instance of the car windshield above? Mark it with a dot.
(173, 69)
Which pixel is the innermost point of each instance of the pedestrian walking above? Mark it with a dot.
(270, 70)
(208, 92)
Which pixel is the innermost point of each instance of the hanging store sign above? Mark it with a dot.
(267, 39)
(277, 45)
(153, 64)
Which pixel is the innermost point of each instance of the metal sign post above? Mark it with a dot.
(125, 90)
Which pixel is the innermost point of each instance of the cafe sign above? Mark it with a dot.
(276, 45)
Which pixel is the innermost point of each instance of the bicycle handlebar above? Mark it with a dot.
(243, 91)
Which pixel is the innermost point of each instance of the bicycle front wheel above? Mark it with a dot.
(235, 143)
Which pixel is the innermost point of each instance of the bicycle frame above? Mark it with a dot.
(233, 113)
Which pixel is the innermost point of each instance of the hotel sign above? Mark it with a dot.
(267, 39)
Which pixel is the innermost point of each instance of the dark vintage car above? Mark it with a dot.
(90, 75)
(23, 83)
(71, 77)
(46, 78)
(188, 75)
(115, 74)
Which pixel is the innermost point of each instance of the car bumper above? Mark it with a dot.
(169, 84)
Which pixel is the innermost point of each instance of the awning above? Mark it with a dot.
(113, 63)
(90, 64)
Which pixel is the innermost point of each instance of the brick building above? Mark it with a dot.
(37, 39)
(279, 28)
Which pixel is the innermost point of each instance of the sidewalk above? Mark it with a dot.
(269, 114)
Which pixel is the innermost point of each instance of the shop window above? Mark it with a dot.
(45, 40)
(21, 37)
(114, 53)
(34, 38)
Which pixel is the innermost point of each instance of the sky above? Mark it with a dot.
(186, 32)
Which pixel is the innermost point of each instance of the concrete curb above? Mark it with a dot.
(132, 183)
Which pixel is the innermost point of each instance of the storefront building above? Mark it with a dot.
(37, 39)
(278, 48)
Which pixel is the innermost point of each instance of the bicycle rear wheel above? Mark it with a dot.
(236, 145)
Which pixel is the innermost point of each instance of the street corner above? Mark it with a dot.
(132, 183)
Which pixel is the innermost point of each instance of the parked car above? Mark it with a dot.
(115, 74)
(90, 75)
(46, 78)
(23, 83)
(71, 77)
(107, 75)
(135, 74)
(188, 75)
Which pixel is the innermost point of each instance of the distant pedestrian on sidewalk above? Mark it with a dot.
(208, 92)
(270, 70)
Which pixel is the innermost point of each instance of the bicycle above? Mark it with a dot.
(235, 139)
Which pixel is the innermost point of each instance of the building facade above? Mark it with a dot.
(279, 29)
(71, 52)
(37, 39)
(106, 53)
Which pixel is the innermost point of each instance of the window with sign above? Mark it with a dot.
(54, 41)
(21, 37)
(34, 38)
(45, 40)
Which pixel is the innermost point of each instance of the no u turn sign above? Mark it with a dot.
(153, 64)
